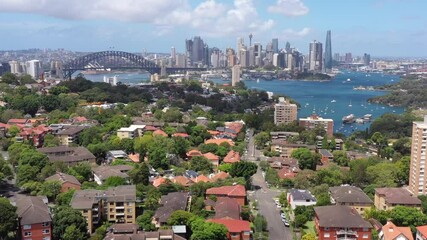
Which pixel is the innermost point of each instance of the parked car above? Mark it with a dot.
(286, 223)
(283, 216)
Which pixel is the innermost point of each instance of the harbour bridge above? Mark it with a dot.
(118, 60)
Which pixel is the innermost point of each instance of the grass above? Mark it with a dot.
(309, 227)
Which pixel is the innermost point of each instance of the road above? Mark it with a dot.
(264, 196)
(8, 188)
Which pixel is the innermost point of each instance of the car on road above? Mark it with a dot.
(286, 223)
(283, 216)
(279, 206)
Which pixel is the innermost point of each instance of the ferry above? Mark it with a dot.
(359, 88)
(348, 119)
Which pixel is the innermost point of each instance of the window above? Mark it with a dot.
(326, 229)
(365, 235)
(28, 234)
(45, 224)
(326, 235)
(46, 238)
(27, 227)
(46, 231)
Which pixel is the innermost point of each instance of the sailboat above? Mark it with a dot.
(350, 104)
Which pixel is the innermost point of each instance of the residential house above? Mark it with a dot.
(69, 155)
(232, 157)
(350, 196)
(102, 173)
(285, 149)
(183, 181)
(391, 232)
(219, 141)
(226, 207)
(238, 192)
(20, 122)
(340, 222)
(114, 155)
(237, 229)
(70, 134)
(33, 134)
(160, 132)
(67, 181)
(388, 198)
(170, 203)
(131, 132)
(193, 153)
(421, 233)
(214, 159)
(299, 197)
(116, 204)
(287, 173)
(218, 176)
(183, 135)
(34, 218)
(326, 156)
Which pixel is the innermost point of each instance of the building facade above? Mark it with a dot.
(315, 58)
(285, 112)
(315, 121)
(328, 52)
(35, 221)
(417, 178)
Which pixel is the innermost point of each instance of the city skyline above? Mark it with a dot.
(132, 26)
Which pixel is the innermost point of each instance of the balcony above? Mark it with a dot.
(120, 214)
(120, 207)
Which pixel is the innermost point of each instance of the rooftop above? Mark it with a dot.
(67, 154)
(340, 217)
(62, 177)
(349, 194)
(233, 225)
(230, 191)
(85, 199)
(131, 128)
(325, 152)
(398, 196)
(104, 172)
(71, 130)
(301, 195)
(391, 231)
(32, 210)
(171, 202)
(227, 207)
(232, 157)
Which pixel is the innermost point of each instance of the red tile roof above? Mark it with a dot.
(80, 119)
(134, 157)
(194, 153)
(184, 135)
(232, 157)
(423, 230)
(17, 121)
(213, 132)
(159, 181)
(227, 208)
(220, 175)
(286, 173)
(231, 191)
(183, 181)
(235, 126)
(233, 225)
(210, 156)
(160, 133)
(150, 128)
(7, 126)
(200, 178)
(219, 141)
(392, 231)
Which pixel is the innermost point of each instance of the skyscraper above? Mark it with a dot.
(275, 43)
(418, 165)
(366, 59)
(235, 75)
(173, 56)
(315, 56)
(328, 52)
(34, 68)
(287, 46)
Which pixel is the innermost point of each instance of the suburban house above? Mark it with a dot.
(350, 196)
(237, 229)
(35, 221)
(388, 198)
(170, 203)
(114, 155)
(67, 181)
(69, 134)
(421, 233)
(326, 156)
(213, 158)
(226, 207)
(19, 122)
(238, 192)
(131, 132)
(116, 205)
(101, 173)
(219, 141)
(193, 153)
(299, 197)
(341, 222)
(232, 157)
(160, 132)
(69, 155)
(391, 232)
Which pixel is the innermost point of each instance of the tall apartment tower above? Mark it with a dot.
(285, 112)
(34, 68)
(417, 183)
(315, 58)
(235, 75)
(328, 52)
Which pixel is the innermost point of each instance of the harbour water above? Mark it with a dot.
(329, 99)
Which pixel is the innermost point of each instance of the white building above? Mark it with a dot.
(418, 165)
(111, 80)
(299, 197)
(34, 68)
(15, 67)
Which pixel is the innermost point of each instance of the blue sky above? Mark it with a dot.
(378, 27)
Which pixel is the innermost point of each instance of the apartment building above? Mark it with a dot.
(315, 121)
(69, 135)
(350, 196)
(131, 132)
(285, 112)
(116, 205)
(417, 178)
(388, 198)
(35, 221)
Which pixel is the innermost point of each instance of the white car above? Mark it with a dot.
(283, 216)
(279, 206)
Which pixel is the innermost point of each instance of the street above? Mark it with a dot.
(264, 196)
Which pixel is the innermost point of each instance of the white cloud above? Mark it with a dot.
(293, 34)
(289, 8)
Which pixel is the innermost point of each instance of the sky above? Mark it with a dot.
(383, 28)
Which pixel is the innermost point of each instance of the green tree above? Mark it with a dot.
(51, 189)
(140, 174)
(325, 143)
(56, 90)
(72, 233)
(144, 221)
(26, 173)
(82, 171)
(157, 158)
(243, 169)
(64, 199)
(51, 141)
(200, 163)
(180, 217)
(308, 236)
(271, 176)
(407, 216)
(225, 167)
(181, 146)
(13, 131)
(211, 147)
(66, 216)
(323, 199)
(114, 181)
(261, 139)
(306, 159)
(383, 174)
(8, 217)
(207, 230)
(260, 223)
(340, 157)
(6, 172)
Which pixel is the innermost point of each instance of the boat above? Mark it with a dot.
(360, 121)
(359, 88)
(348, 119)
(257, 80)
(348, 80)
(350, 104)
(367, 117)
(333, 100)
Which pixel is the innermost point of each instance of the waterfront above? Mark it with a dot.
(315, 95)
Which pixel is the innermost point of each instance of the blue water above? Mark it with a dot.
(315, 96)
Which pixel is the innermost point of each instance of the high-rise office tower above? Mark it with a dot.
(328, 52)
(275, 44)
(235, 75)
(287, 46)
(196, 51)
(240, 45)
(336, 57)
(284, 112)
(189, 52)
(417, 180)
(244, 57)
(34, 68)
(250, 39)
(366, 59)
(173, 56)
(315, 58)
(348, 58)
